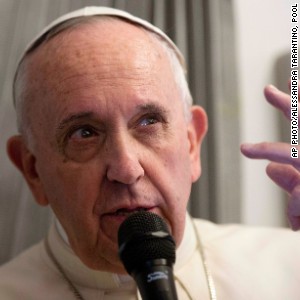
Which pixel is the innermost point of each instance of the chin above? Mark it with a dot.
(105, 263)
(107, 266)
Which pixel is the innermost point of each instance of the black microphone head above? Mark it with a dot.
(142, 237)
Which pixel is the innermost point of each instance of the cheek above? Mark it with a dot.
(174, 182)
(179, 174)
(71, 189)
(177, 160)
(73, 194)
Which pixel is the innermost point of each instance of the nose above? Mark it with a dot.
(123, 161)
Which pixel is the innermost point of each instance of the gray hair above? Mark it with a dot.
(20, 84)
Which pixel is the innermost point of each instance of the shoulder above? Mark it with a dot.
(246, 236)
(241, 254)
(19, 277)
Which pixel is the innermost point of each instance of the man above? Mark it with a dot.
(106, 129)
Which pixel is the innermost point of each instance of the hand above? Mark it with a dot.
(283, 169)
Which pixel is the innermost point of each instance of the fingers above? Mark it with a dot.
(284, 169)
(293, 210)
(276, 152)
(278, 99)
(288, 178)
(283, 175)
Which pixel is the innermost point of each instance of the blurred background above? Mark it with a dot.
(233, 48)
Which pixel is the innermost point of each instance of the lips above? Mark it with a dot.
(111, 220)
(127, 212)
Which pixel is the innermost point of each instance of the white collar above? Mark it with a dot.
(84, 276)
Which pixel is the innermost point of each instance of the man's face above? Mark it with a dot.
(111, 136)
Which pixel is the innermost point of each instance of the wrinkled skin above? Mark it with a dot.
(110, 136)
(283, 169)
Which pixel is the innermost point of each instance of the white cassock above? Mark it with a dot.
(245, 263)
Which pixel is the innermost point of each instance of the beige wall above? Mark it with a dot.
(263, 37)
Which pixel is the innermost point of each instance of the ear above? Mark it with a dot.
(197, 129)
(25, 161)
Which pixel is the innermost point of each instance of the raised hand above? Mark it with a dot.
(284, 167)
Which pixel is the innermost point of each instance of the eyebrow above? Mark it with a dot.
(152, 107)
(74, 117)
(148, 107)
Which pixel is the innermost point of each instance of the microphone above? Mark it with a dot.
(147, 251)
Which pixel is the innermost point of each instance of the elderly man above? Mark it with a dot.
(107, 129)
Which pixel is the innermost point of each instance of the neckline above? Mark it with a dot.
(62, 255)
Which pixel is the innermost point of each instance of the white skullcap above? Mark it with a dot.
(104, 11)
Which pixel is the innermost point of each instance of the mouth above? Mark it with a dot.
(111, 221)
(124, 212)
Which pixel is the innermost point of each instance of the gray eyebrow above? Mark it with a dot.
(152, 107)
(148, 107)
(74, 117)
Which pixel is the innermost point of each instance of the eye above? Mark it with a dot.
(82, 133)
(149, 120)
(81, 142)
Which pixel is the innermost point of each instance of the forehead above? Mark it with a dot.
(108, 39)
(98, 58)
(105, 44)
